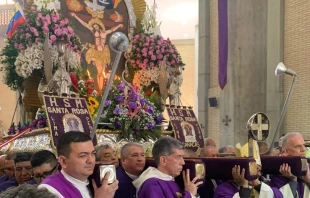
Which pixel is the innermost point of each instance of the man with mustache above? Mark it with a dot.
(133, 162)
(157, 182)
(76, 155)
(106, 154)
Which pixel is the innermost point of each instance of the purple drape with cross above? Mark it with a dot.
(223, 42)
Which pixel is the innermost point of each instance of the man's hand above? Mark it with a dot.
(106, 190)
(306, 178)
(285, 170)
(239, 176)
(190, 186)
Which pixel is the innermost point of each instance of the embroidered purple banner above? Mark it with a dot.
(186, 128)
(67, 114)
(223, 42)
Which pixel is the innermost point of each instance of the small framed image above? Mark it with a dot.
(104, 169)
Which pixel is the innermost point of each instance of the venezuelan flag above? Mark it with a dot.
(17, 20)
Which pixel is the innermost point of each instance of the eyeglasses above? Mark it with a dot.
(44, 175)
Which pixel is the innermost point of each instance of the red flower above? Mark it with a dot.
(148, 92)
(74, 81)
(89, 91)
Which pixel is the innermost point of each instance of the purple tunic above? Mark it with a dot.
(63, 186)
(229, 189)
(10, 183)
(280, 181)
(125, 187)
(4, 178)
(155, 188)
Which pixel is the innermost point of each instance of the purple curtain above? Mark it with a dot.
(223, 42)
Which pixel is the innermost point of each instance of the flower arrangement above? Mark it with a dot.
(148, 50)
(130, 112)
(22, 56)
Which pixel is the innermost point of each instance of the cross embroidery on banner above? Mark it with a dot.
(226, 120)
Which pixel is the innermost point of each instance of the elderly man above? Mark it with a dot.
(76, 154)
(159, 182)
(209, 151)
(293, 145)
(209, 142)
(27, 190)
(133, 162)
(8, 168)
(23, 171)
(44, 164)
(105, 153)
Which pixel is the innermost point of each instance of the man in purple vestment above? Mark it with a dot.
(240, 187)
(23, 171)
(293, 144)
(44, 164)
(133, 162)
(158, 182)
(76, 154)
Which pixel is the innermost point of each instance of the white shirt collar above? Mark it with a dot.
(133, 177)
(74, 181)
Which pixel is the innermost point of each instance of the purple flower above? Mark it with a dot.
(159, 119)
(117, 124)
(150, 111)
(121, 87)
(132, 105)
(107, 102)
(142, 101)
(119, 98)
(134, 96)
(117, 111)
(149, 126)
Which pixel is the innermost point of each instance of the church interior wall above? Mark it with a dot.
(296, 57)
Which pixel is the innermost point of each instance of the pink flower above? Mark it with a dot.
(58, 32)
(132, 61)
(53, 38)
(173, 62)
(65, 31)
(138, 55)
(21, 47)
(174, 56)
(145, 61)
(157, 52)
(66, 21)
(16, 45)
(37, 40)
(150, 53)
(38, 23)
(160, 56)
(137, 36)
(45, 29)
(153, 57)
(62, 23)
(29, 43)
(147, 39)
(144, 54)
(70, 30)
(151, 64)
(32, 8)
(28, 35)
(39, 15)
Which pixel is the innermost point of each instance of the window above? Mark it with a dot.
(6, 2)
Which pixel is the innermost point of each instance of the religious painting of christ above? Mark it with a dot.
(188, 132)
(72, 123)
(95, 21)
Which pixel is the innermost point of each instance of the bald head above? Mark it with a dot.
(2, 159)
(209, 142)
(190, 154)
(209, 151)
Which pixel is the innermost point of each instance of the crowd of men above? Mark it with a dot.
(41, 174)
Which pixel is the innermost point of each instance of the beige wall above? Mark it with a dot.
(7, 100)
(214, 90)
(296, 57)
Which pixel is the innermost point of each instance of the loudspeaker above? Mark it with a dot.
(213, 102)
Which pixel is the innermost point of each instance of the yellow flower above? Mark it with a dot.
(91, 110)
(93, 102)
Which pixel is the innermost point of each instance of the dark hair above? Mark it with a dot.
(22, 157)
(223, 149)
(27, 191)
(165, 146)
(43, 157)
(10, 156)
(63, 146)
